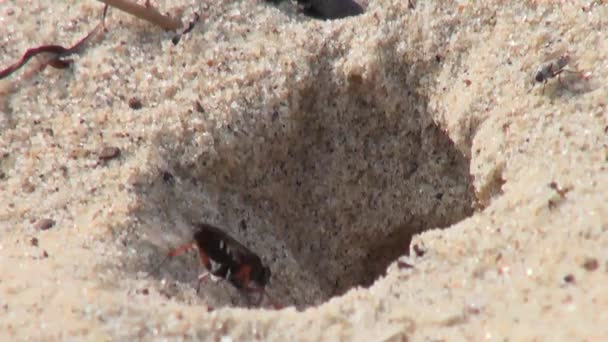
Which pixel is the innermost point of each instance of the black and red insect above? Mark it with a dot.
(225, 257)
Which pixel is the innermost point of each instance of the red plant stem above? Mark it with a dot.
(55, 52)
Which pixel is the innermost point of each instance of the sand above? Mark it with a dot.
(325, 147)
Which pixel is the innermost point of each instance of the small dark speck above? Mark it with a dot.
(109, 152)
(44, 224)
(135, 103)
(569, 279)
(403, 265)
(439, 195)
(275, 115)
(45, 254)
(145, 292)
(28, 187)
(419, 251)
(243, 225)
(198, 107)
(34, 242)
(591, 264)
(167, 177)
(438, 58)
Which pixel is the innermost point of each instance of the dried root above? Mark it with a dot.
(54, 53)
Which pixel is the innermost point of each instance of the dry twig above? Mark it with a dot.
(146, 12)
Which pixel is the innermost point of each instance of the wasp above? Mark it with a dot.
(226, 258)
(553, 67)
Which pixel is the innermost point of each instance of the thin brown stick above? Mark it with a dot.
(147, 13)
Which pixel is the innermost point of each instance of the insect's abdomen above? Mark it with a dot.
(228, 258)
(216, 247)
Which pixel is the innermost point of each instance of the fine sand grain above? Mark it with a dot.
(325, 147)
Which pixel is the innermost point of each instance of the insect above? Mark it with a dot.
(226, 258)
(552, 68)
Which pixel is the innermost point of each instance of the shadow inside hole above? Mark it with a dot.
(346, 175)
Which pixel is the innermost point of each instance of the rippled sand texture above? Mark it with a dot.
(323, 146)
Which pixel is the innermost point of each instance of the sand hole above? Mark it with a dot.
(327, 186)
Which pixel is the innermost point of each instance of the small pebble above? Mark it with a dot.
(419, 251)
(569, 279)
(198, 107)
(44, 224)
(135, 103)
(34, 242)
(109, 152)
(168, 177)
(403, 265)
(591, 264)
(28, 187)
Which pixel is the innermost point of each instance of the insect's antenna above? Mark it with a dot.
(174, 252)
(157, 268)
(573, 71)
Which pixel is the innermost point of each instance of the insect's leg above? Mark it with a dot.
(157, 268)
(204, 258)
(272, 301)
(252, 290)
(543, 90)
(248, 299)
(222, 272)
(260, 298)
(202, 255)
(180, 249)
(174, 252)
(573, 71)
(579, 73)
(243, 276)
(263, 294)
(249, 291)
(202, 278)
(558, 73)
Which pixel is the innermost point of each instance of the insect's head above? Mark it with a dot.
(540, 76)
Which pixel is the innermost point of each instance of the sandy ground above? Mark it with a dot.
(324, 146)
